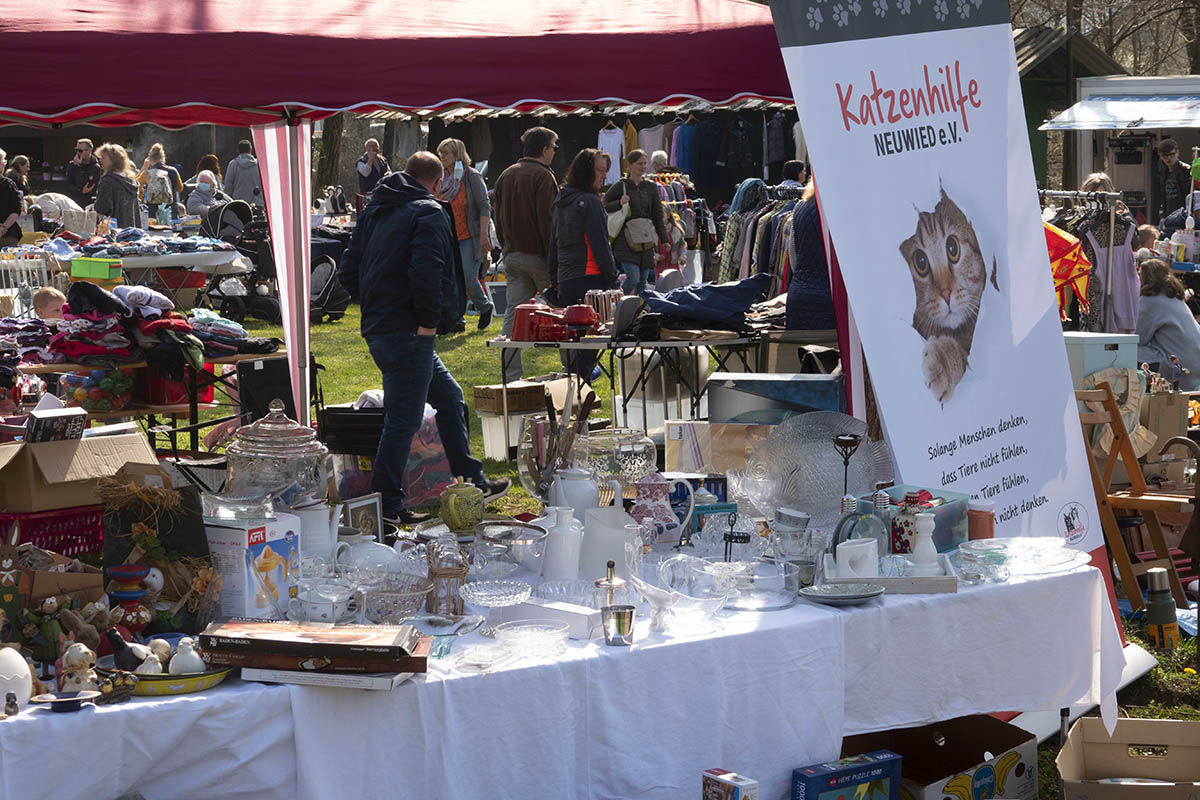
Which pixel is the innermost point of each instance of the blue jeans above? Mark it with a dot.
(412, 374)
(635, 278)
(470, 272)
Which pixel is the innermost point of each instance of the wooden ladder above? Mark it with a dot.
(1135, 498)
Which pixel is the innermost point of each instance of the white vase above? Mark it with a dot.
(563, 545)
(924, 555)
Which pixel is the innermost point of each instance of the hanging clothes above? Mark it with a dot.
(1122, 296)
(650, 139)
(481, 139)
(1070, 268)
(631, 142)
(611, 140)
(777, 139)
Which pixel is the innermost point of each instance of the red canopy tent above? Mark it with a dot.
(277, 63)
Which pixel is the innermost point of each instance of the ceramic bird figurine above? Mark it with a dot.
(82, 631)
(161, 648)
(150, 666)
(10, 704)
(126, 655)
(186, 659)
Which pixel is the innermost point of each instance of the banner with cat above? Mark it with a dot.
(916, 131)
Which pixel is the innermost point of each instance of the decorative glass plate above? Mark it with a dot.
(495, 594)
(538, 638)
(807, 471)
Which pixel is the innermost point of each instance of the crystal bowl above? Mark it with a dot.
(701, 593)
(495, 594)
(762, 585)
(533, 637)
(581, 593)
(521, 544)
(393, 599)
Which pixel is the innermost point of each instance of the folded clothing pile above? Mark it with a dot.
(169, 344)
(29, 339)
(223, 337)
(93, 329)
(136, 242)
(146, 303)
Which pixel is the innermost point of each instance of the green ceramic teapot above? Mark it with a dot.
(462, 505)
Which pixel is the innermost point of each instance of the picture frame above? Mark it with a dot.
(366, 514)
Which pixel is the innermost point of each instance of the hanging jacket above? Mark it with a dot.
(399, 262)
(579, 238)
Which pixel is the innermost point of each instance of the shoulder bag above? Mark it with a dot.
(616, 219)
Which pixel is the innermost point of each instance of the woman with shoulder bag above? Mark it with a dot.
(636, 245)
(463, 188)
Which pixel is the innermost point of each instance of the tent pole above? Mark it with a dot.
(299, 212)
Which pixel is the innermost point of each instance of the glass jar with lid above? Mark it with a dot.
(278, 457)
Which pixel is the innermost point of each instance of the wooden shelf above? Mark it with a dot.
(180, 409)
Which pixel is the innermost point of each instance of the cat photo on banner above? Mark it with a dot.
(949, 274)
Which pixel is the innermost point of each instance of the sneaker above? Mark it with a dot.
(495, 489)
(485, 318)
(407, 518)
(596, 373)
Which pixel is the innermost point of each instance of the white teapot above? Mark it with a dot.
(360, 551)
(578, 490)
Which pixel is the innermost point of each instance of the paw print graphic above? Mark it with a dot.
(855, 7)
(978, 3)
(964, 8)
(881, 7)
(814, 17)
(840, 15)
(905, 6)
(941, 10)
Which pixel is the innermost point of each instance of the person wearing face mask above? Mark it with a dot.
(206, 194)
(462, 187)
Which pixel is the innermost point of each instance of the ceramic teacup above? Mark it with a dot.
(321, 600)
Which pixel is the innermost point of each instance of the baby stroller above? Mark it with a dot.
(329, 298)
(246, 228)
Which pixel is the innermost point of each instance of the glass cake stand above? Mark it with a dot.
(492, 595)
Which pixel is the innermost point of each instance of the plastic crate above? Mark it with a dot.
(66, 531)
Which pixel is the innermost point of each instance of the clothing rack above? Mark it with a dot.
(781, 192)
(1109, 199)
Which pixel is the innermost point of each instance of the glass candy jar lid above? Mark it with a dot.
(276, 435)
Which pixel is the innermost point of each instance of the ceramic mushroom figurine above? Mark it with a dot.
(186, 659)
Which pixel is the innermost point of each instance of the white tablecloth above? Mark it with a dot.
(234, 741)
(202, 261)
(766, 693)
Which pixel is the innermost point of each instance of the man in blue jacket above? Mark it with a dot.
(400, 267)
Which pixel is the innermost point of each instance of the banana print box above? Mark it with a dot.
(950, 759)
(259, 562)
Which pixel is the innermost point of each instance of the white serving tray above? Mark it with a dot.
(938, 584)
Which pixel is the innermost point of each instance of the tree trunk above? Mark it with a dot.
(331, 148)
(390, 129)
(1190, 22)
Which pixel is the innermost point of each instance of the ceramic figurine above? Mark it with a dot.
(10, 704)
(161, 648)
(126, 655)
(80, 630)
(77, 669)
(150, 666)
(186, 659)
(462, 505)
(116, 687)
(154, 581)
(10, 598)
(48, 628)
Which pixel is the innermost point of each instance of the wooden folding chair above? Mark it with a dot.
(1135, 498)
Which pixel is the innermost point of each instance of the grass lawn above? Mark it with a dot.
(349, 371)
(1165, 692)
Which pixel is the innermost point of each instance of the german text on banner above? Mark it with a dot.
(913, 117)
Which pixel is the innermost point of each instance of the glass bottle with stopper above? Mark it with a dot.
(609, 588)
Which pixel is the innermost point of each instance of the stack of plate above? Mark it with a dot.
(842, 594)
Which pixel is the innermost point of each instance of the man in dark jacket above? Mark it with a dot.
(399, 267)
(83, 173)
(524, 194)
(1173, 179)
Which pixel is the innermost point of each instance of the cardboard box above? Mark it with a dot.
(951, 759)
(237, 545)
(711, 447)
(44, 476)
(522, 396)
(584, 622)
(721, 784)
(102, 268)
(86, 586)
(771, 398)
(869, 776)
(1168, 470)
(55, 424)
(1152, 749)
(1165, 414)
